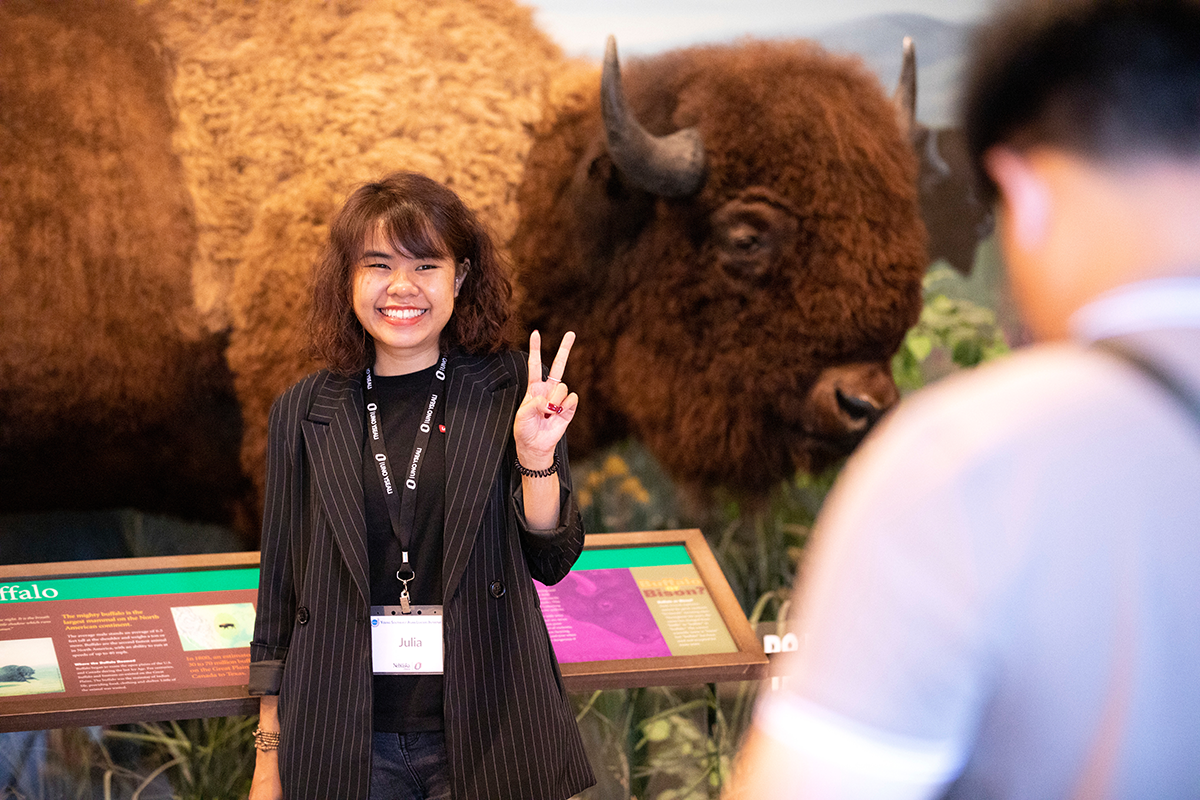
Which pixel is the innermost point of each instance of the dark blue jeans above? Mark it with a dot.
(409, 766)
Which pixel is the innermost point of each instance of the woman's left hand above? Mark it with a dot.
(547, 407)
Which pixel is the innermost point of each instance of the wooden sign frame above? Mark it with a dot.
(47, 711)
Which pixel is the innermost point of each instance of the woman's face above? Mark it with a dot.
(403, 303)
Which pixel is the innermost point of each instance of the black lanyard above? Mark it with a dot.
(402, 509)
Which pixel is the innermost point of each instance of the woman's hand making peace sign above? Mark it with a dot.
(547, 407)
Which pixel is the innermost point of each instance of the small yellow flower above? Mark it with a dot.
(633, 487)
(615, 466)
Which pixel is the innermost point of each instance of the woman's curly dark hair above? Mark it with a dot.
(424, 219)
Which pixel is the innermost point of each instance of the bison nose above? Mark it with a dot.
(847, 400)
(858, 408)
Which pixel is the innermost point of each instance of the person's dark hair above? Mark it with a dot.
(423, 218)
(1106, 79)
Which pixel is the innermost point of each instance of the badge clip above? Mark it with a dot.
(405, 569)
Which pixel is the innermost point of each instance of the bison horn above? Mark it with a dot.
(905, 97)
(667, 166)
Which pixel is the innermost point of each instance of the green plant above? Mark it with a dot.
(65, 763)
(663, 742)
(202, 758)
(679, 747)
(624, 489)
(961, 332)
(759, 547)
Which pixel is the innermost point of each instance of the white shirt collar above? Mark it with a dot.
(1137, 307)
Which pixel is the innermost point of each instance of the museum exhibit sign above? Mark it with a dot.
(126, 640)
(649, 609)
(144, 639)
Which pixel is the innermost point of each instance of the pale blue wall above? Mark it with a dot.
(647, 26)
(872, 29)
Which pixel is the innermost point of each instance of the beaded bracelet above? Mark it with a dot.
(537, 473)
(266, 740)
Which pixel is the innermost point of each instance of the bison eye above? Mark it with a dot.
(750, 237)
(745, 243)
(744, 238)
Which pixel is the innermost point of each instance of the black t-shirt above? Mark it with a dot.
(407, 703)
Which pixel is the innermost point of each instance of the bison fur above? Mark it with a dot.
(167, 171)
(113, 393)
(449, 88)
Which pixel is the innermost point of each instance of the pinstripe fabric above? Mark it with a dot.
(509, 730)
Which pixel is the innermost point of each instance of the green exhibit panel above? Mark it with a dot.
(108, 642)
(103, 642)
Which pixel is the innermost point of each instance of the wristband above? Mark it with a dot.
(266, 740)
(537, 473)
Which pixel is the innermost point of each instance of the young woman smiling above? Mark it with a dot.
(415, 488)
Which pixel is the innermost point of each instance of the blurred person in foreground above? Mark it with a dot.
(1004, 595)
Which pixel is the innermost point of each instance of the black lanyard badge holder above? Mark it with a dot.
(405, 639)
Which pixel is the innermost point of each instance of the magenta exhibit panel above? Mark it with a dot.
(648, 609)
(633, 602)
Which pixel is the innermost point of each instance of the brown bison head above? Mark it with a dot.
(736, 239)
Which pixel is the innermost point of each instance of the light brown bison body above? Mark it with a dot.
(738, 290)
(111, 391)
(167, 171)
(337, 95)
(956, 214)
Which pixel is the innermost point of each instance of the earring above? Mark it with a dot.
(466, 265)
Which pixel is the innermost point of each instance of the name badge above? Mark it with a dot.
(406, 644)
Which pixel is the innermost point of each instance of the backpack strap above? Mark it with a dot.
(1154, 371)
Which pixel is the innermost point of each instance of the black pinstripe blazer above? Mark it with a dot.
(509, 729)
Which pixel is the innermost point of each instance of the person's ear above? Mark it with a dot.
(460, 273)
(1024, 196)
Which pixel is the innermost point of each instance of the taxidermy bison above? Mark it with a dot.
(167, 170)
(112, 393)
(168, 167)
(955, 213)
(734, 233)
